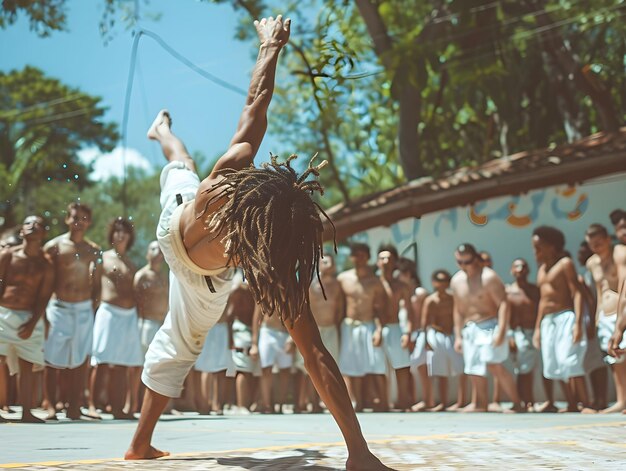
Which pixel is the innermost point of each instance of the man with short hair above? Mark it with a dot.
(361, 329)
(395, 342)
(604, 272)
(559, 331)
(260, 219)
(26, 282)
(481, 319)
(77, 266)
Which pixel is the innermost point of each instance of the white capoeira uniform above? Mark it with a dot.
(419, 355)
(147, 330)
(70, 337)
(358, 356)
(13, 347)
(116, 338)
(397, 356)
(478, 347)
(272, 348)
(562, 359)
(242, 341)
(194, 307)
(606, 327)
(445, 360)
(330, 339)
(216, 355)
(526, 355)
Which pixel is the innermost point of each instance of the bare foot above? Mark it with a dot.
(494, 407)
(588, 410)
(547, 408)
(52, 414)
(472, 408)
(569, 408)
(454, 407)
(438, 408)
(420, 407)
(150, 453)
(516, 409)
(365, 462)
(121, 415)
(92, 413)
(161, 122)
(29, 418)
(617, 407)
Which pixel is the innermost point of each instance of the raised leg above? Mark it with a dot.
(172, 147)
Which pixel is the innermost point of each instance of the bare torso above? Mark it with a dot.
(151, 293)
(74, 266)
(396, 291)
(242, 304)
(117, 279)
(273, 322)
(23, 278)
(604, 274)
(556, 295)
(325, 310)
(440, 308)
(362, 294)
(524, 302)
(472, 298)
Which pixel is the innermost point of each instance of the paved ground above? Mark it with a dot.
(403, 441)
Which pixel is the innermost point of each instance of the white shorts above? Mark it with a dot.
(397, 356)
(116, 338)
(147, 330)
(526, 356)
(419, 355)
(444, 361)
(194, 309)
(562, 359)
(13, 347)
(70, 337)
(242, 341)
(606, 327)
(272, 348)
(358, 356)
(478, 347)
(330, 339)
(216, 355)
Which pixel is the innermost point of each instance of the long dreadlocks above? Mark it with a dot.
(273, 230)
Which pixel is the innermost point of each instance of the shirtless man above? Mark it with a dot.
(523, 298)
(151, 289)
(240, 312)
(604, 271)
(361, 330)
(70, 314)
(26, 281)
(481, 320)
(559, 330)
(617, 342)
(328, 312)
(395, 342)
(407, 273)
(438, 322)
(116, 338)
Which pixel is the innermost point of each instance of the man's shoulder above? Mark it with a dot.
(619, 254)
(345, 275)
(458, 277)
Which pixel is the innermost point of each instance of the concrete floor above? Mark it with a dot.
(262, 442)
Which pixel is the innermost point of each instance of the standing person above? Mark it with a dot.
(445, 361)
(395, 341)
(77, 267)
(151, 291)
(407, 272)
(481, 320)
(26, 282)
(116, 338)
(617, 342)
(523, 297)
(559, 331)
(361, 330)
(328, 309)
(604, 271)
(262, 219)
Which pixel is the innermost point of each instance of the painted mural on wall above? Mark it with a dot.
(502, 226)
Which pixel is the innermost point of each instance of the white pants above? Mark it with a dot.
(526, 356)
(13, 347)
(272, 348)
(242, 341)
(606, 327)
(444, 361)
(358, 356)
(419, 355)
(147, 330)
(397, 356)
(478, 347)
(70, 337)
(562, 358)
(216, 355)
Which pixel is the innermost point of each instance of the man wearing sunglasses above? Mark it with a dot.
(481, 318)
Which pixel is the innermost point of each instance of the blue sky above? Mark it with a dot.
(204, 114)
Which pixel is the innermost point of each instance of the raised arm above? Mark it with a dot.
(273, 35)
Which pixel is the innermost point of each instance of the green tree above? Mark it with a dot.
(44, 16)
(43, 125)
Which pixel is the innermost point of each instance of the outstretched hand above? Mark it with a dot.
(273, 31)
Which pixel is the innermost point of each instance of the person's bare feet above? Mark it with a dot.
(454, 407)
(547, 408)
(365, 462)
(150, 453)
(420, 407)
(52, 414)
(588, 410)
(494, 407)
(516, 409)
(569, 408)
(92, 413)
(615, 408)
(472, 408)
(29, 418)
(438, 408)
(162, 122)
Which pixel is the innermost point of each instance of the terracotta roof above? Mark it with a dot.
(591, 157)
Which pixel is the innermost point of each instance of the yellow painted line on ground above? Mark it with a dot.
(396, 438)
